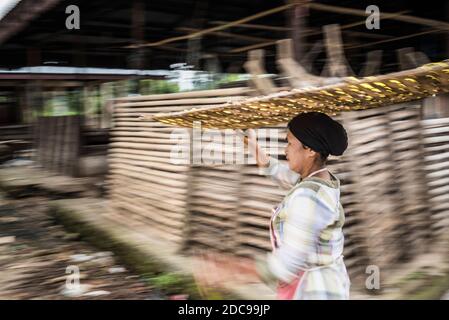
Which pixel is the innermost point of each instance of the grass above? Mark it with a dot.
(432, 288)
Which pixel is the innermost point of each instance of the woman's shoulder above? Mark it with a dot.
(305, 188)
(310, 185)
(316, 183)
(315, 191)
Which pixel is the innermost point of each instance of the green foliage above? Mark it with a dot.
(158, 86)
(72, 102)
(215, 81)
(432, 288)
(171, 283)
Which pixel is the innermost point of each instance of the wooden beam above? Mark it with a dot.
(441, 25)
(368, 35)
(254, 26)
(83, 38)
(311, 32)
(227, 35)
(218, 28)
(393, 39)
(253, 17)
(254, 46)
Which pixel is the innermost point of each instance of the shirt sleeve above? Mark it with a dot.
(302, 228)
(281, 174)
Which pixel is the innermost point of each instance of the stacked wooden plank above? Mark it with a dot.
(371, 169)
(213, 207)
(410, 187)
(355, 249)
(148, 187)
(436, 148)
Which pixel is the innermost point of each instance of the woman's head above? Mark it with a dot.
(311, 138)
(300, 156)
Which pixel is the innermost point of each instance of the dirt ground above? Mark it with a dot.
(37, 256)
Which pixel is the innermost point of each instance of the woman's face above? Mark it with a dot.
(298, 157)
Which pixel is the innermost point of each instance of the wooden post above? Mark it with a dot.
(404, 58)
(23, 111)
(58, 143)
(48, 159)
(38, 140)
(89, 92)
(310, 56)
(296, 75)
(418, 58)
(297, 17)
(65, 148)
(372, 64)
(137, 57)
(336, 64)
(255, 66)
(106, 110)
(74, 143)
(34, 101)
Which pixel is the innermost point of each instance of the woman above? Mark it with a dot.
(306, 227)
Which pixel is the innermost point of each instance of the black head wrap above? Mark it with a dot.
(319, 132)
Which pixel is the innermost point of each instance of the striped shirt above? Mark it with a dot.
(307, 225)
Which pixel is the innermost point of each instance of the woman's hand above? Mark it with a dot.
(250, 140)
(216, 271)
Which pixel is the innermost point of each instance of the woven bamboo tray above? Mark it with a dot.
(348, 95)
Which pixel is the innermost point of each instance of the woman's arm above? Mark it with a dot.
(279, 172)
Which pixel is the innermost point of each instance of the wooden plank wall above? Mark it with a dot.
(436, 149)
(410, 183)
(58, 143)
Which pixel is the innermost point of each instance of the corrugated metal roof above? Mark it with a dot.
(74, 70)
(6, 6)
